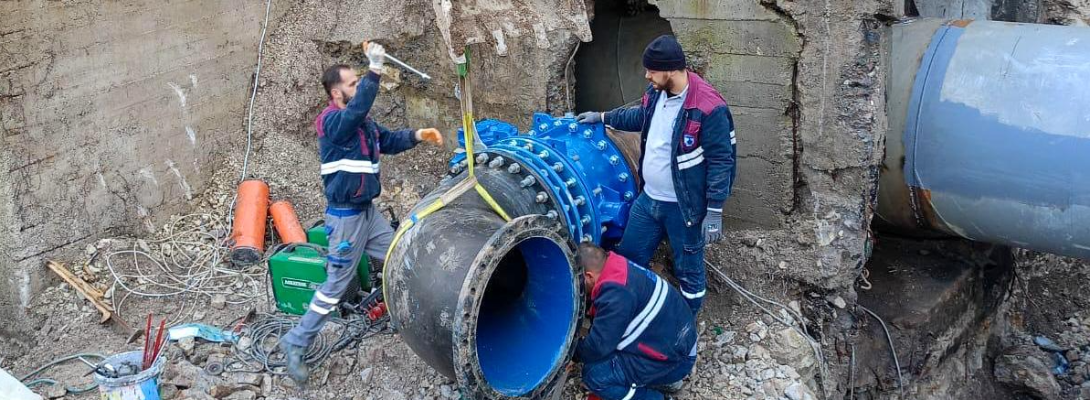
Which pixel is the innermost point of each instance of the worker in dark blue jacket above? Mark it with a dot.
(349, 144)
(686, 165)
(642, 341)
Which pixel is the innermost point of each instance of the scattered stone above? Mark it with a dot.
(243, 395)
(738, 354)
(768, 374)
(55, 391)
(757, 331)
(90, 249)
(246, 378)
(837, 301)
(1072, 355)
(447, 392)
(168, 391)
(187, 345)
(750, 241)
(724, 338)
(758, 352)
(365, 376)
(224, 390)
(194, 394)
(219, 301)
(798, 391)
(1026, 369)
(244, 343)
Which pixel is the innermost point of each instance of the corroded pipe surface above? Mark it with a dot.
(990, 133)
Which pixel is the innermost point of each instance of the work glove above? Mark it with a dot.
(713, 226)
(376, 55)
(430, 135)
(589, 117)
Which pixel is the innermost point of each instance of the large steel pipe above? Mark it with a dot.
(990, 133)
(495, 304)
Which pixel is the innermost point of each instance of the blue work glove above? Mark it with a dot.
(589, 117)
(713, 227)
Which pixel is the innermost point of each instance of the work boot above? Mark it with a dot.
(296, 360)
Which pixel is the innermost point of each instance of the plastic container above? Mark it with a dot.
(142, 386)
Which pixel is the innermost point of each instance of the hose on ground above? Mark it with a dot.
(62, 360)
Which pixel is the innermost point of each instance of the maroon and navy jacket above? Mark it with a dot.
(703, 143)
(349, 144)
(636, 311)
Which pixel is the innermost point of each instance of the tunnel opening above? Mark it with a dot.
(609, 70)
(525, 316)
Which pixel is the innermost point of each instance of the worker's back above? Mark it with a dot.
(637, 312)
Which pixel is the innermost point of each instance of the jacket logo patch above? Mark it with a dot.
(689, 140)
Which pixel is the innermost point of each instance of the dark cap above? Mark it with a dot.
(664, 54)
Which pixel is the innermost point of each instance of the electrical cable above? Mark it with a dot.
(264, 335)
(187, 261)
(617, 56)
(892, 349)
(51, 364)
(250, 112)
(567, 82)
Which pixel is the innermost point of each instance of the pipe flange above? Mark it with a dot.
(471, 376)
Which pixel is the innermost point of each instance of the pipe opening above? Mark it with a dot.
(525, 315)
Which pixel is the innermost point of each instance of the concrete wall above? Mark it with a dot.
(112, 115)
(749, 53)
(803, 81)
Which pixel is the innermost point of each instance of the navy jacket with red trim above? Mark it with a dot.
(349, 144)
(703, 143)
(636, 311)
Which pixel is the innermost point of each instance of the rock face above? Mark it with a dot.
(1025, 369)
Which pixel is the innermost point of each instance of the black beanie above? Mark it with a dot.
(664, 54)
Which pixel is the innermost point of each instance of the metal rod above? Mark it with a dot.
(406, 66)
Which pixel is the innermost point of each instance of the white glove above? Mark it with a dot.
(376, 55)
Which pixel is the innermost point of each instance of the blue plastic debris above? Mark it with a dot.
(206, 332)
(1047, 344)
(1061, 364)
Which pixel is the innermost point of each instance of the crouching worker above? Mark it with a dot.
(642, 340)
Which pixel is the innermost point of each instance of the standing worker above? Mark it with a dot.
(642, 340)
(686, 165)
(349, 143)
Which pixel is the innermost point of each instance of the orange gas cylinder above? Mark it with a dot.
(287, 223)
(248, 232)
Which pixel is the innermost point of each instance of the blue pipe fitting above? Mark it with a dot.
(577, 166)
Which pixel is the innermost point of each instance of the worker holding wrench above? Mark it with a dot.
(349, 144)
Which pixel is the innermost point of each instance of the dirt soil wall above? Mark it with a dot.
(112, 116)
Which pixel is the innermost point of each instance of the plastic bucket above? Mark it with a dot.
(142, 386)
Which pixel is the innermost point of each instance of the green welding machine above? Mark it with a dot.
(298, 271)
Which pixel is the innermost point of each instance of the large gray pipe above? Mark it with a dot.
(990, 133)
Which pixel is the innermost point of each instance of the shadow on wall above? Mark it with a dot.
(609, 70)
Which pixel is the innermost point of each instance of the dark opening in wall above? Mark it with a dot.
(608, 70)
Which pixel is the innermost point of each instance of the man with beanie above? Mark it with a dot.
(686, 165)
(349, 144)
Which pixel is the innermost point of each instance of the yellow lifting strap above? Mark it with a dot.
(469, 135)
